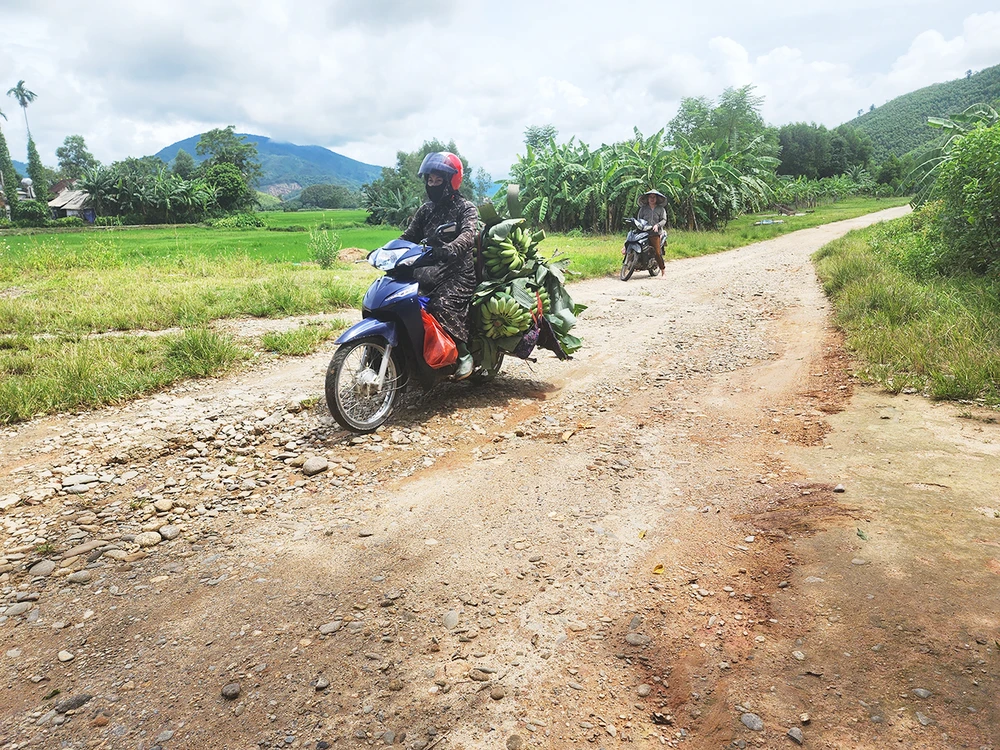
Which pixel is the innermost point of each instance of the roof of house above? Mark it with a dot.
(71, 200)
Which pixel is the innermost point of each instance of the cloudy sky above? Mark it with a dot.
(367, 78)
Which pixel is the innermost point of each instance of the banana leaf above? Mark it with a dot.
(488, 214)
(485, 290)
(509, 343)
(514, 199)
(524, 296)
(501, 230)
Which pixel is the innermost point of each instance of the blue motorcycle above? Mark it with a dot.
(377, 357)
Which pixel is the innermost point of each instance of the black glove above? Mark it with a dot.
(442, 254)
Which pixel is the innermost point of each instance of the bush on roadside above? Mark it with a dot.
(969, 186)
(324, 247)
(108, 221)
(31, 214)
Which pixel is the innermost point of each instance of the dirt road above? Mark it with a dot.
(645, 546)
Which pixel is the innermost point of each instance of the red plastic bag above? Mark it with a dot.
(439, 348)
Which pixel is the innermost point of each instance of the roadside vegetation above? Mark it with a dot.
(95, 315)
(919, 298)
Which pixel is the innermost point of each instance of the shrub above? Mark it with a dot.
(324, 247)
(68, 221)
(291, 228)
(108, 221)
(239, 221)
(969, 186)
(31, 213)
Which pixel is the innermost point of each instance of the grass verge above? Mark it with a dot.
(39, 376)
(938, 335)
(301, 341)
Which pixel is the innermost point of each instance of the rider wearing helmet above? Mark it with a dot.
(454, 270)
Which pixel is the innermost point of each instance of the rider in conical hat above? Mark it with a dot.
(651, 210)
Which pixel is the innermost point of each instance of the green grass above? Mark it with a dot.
(39, 376)
(301, 341)
(97, 247)
(337, 218)
(939, 335)
(57, 289)
(595, 256)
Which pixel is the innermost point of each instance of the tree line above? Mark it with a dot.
(715, 160)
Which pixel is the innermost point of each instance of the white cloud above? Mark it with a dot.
(371, 77)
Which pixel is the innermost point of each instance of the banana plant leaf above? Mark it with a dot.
(501, 230)
(488, 214)
(486, 290)
(524, 296)
(514, 199)
(509, 343)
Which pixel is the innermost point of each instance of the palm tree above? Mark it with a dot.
(24, 97)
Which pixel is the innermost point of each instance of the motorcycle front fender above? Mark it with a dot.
(370, 327)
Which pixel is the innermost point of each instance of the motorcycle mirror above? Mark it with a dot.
(440, 234)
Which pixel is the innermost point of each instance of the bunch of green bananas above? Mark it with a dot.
(501, 257)
(510, 254)
(543, 294)
(502, 316)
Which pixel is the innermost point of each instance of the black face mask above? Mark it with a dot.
(435, 192)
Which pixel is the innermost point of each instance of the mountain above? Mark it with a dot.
(288, 168)
(20, 166)
(899, 126)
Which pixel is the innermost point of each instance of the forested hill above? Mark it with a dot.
(288, 167)
(899, 126)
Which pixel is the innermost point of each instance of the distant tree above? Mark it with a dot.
(184, 165)
(890, 172)
(10, 176)
(726, 126)
(692, 121)
(538, 136)
(871, 108)
(859, 112)
(483, 186)
(100, 184)
(805, 150)
(37, 172)
(398, 192)
(328, 196)
(968, 74)
(223, 146)
(737, 120)
(24, 98)
(74, 158)
(230, 186)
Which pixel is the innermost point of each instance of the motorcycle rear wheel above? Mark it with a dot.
(654, 271)
(352, 396)
(483, 375)
(628, 267)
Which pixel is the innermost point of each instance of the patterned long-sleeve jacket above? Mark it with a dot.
(450, 300)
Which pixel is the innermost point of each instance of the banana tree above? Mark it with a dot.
(955, 127)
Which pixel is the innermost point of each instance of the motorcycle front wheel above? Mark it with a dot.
(353, 395)
(628, 266)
